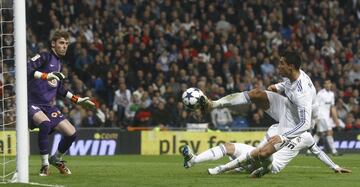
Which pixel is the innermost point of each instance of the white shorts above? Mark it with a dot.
(326, 124)
(277, 106)
(241, 148)
(283, 157)
(272, 131)
(282, 110)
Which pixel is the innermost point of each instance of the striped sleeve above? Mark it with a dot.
(323, 157)
(280, 87)
(302, 126)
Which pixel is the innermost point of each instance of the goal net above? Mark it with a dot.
(7, 92)
(13, 105)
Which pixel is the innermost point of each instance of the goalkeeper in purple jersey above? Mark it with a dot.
(44, 84)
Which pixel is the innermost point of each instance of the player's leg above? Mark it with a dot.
(43, 122)
(321, 129)
(39, 119)
(68, 137)
(257, 96)
(245, 159)
(330, 124)
(262, 154)
(317, 137)
(330, 141)
(274, 104)
(62, 125)
(234, 150)
(214, 153)
(284, 156)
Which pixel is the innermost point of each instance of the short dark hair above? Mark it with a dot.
(60, 34)
(293, 58)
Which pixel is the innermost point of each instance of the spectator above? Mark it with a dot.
(267, 68)
(77, 114)
(132, 108)
(160, 115)
(221, 118)
(178, 44)
(90, 120)
(122, 100)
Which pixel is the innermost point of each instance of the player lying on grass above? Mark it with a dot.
(280, 159)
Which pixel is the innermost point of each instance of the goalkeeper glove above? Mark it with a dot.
(49, 76)
(83, 101)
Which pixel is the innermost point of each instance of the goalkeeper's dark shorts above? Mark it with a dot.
(52, 112)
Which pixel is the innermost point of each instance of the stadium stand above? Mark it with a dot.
(154, 50)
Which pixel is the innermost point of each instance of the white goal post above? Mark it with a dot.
(22, 133)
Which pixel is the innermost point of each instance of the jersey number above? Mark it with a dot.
(37, 56)
(291, 146)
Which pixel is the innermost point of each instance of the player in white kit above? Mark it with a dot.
(292, 111)
(327, 116)
(280, 159)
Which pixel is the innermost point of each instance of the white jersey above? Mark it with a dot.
(300, 95)
(325, 99)
(283, 157)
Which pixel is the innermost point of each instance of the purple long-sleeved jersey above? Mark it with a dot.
(42, 92)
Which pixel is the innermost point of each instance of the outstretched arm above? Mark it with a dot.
(83, 101)
(326, 160)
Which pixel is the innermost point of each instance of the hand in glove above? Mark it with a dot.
(83, 101)
(49, 76)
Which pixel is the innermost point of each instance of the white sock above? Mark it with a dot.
(316, 138)
(232, 100)
(45, 159)
(214, 153)
(59, 155)
(234, 163)
(330, 140)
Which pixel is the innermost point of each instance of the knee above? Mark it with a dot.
(73, 136)
(45, 126)
(264, 153)
(330, 133)
(256, 93)
(230, 148)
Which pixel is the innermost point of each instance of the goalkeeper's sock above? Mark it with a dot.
(214, 153)
(44, 159)
(232, 100)
(65, 143)
(43, 141)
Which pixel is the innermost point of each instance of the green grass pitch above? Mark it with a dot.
(167, 171)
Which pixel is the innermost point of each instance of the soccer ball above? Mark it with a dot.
(191, 98)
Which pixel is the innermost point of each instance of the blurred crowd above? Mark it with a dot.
(136, 57)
